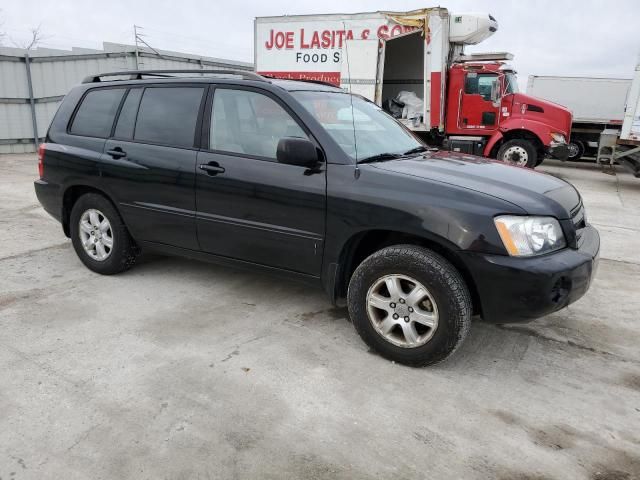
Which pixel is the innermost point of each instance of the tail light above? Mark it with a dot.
(41, 150)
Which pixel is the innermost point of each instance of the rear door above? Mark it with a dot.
(249, 206)
(359, 69)
(149, 163)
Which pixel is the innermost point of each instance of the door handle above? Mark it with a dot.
(212, 168)
(116, 153)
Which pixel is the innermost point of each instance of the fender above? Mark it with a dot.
(539, 129)
(493, 139)
(338, 255)
(85, 183)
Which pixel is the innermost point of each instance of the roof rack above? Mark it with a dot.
(139, 74)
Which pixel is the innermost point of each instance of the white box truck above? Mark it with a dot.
(623, 145)
(467, 103)
(596, 104)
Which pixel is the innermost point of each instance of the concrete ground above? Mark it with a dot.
(185, 370)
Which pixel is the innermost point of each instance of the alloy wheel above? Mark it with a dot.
(96, 234)
(402, 310)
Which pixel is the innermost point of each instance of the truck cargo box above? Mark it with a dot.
(590, 99)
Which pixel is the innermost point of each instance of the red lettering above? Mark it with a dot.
(280, 40)
(340, 33)
(315, 40)
(365, 34)
(350, 35)
(302, 44)
(396, 30)
(269, 43)
(326, 39)
(383, 31)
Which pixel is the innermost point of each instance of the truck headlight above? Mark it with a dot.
(528, 236)
(558, 137)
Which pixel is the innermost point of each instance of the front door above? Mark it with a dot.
(249, 206)
(478, 113)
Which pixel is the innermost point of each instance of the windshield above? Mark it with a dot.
(368, 132)
(510, 83)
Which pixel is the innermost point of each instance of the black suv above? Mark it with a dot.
(304, 179)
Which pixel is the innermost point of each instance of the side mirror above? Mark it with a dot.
(495, 92)
(297, 151)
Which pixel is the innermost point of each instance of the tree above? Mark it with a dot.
(33, 41)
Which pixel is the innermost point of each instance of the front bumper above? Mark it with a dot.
(512, 289)
(558, 150)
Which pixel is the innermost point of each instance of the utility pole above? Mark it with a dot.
(34, 123)
(140, 41)
(135, 36)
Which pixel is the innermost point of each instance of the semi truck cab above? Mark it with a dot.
(487, 115)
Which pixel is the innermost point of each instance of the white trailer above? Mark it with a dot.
(596, 104)
(413, 64)
(343, 49)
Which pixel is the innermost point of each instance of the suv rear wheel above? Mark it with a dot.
(410, 305)
(99, 236)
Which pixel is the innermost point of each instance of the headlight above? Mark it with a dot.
(528, 236)
(558, 137)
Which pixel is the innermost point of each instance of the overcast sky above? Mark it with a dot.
(562, 37)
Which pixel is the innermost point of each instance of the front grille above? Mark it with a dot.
(579, 220)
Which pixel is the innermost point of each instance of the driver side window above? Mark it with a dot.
(250, 123)
(480, 83)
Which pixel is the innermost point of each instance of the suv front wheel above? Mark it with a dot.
(99, 236)
(410, 305)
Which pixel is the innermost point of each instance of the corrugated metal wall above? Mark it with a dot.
(53, 76)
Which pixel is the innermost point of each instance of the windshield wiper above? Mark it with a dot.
(380, 157)
(419, 149)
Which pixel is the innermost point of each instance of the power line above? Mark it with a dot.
(202, 41)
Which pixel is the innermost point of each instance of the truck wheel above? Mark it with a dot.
(518, 152)
(410, 305)
(576, 150)
(100, 237)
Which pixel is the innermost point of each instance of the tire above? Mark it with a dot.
(122, 253)
(518, 152)
(576, 150)
(447, 299)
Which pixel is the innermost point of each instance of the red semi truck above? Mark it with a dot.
(467, 103)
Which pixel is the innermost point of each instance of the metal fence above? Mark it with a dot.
(32, 84)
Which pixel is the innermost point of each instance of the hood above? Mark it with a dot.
(556, 116)
(534, 192)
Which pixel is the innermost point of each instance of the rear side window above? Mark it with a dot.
(127, 118)
(168, 115)
(95, 116)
